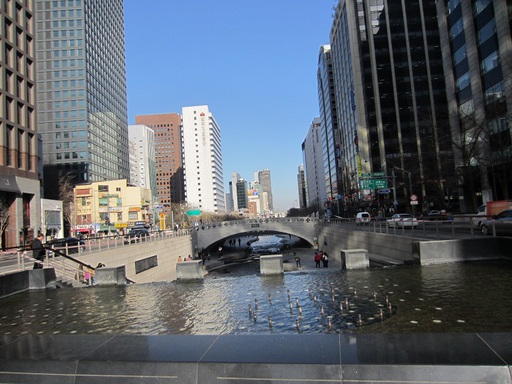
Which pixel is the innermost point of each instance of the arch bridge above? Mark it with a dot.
(303, 227)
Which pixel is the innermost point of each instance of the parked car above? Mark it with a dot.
(363, 218)
(501, 223)
(402, 220)
(72, 244)
(136, 235)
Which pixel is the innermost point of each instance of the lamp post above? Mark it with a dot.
(410, 183)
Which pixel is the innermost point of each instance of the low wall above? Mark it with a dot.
(25, 280)
(414, 250)
(333, 240)
(189, 270)
(457, 250)
(144, 262)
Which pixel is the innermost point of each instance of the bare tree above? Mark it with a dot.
(4, 221)
(66, 195)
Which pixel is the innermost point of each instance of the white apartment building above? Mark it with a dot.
(202, 159)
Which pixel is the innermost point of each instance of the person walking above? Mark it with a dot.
(317, 260)
(38, 252)
(297, 259)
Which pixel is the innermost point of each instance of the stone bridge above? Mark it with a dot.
(303, 227)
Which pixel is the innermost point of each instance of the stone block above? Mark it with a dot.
(355, 259)
(271, 265)
(110, 276)
(190, 270)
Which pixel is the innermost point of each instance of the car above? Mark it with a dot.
(500, 224)
(71, 244)
(363, 218)
(402, 220)
(481, 214)
(136, 235)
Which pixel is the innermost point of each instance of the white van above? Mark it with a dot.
(482, 213)
(362, 218)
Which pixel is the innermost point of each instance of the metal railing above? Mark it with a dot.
(451, 227)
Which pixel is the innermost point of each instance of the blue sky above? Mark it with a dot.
(253, 63)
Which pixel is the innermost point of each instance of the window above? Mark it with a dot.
(486, 31)
(490, 62)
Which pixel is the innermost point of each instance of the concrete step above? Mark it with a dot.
(385, 260)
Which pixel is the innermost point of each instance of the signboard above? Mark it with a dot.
(383, 191)
(414, 202)
(194, 212)
(373, 184)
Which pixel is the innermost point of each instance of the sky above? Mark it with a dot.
(254, 63)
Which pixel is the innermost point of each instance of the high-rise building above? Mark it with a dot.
(314, 166)
(169, 165)
(202, 158)
(81, 79)
(19, 145)
(477, 57)
(266, 191)
(391, 101)
(242, 194)
(143, 166)
(330, 133)
(301, 183)
(232, 188)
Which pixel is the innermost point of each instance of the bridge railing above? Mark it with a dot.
(464, 226)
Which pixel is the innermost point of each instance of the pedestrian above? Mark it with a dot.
(297, 259)
(325, 260)
(188, 258)
(180, 259)
(38, 252)
(238, 242)
(317, 260)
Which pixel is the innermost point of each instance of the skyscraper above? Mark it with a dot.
(81, 74)
(477, 57)
(391, 99)
(143, 165)
(169, 163)
(330, 133)
(202, 154)
(19, 172)
(301, 184)
(266, 191)
(314, 166)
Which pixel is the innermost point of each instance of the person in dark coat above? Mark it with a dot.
(38, 252)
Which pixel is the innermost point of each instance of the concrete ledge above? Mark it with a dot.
(271, 265)
(451, 251)
(190, 270)
(205, 359)
(110, 276)
(354, 259)
(25, 280)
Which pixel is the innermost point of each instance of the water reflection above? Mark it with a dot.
(448, 298)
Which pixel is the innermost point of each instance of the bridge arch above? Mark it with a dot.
(305, 228)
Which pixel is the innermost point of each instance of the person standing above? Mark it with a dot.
(297, 259)
(325, 260)
(38, 252)
(317, 260)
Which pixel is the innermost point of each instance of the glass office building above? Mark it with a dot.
(391, 100)
(81, 78)
(477, 56)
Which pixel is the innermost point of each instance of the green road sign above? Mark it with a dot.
(194, 212)
(373, 184)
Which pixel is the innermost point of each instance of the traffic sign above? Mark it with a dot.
(383, 191)
(414, 198)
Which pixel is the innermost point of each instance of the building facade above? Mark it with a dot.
(168, 154)
(143, 168)
(265, 181)
(20, 208)
(477, 56)
(330, 133)
(109, 206)
(312, 154)
(81, 80)
(301, 184)
(391, 102)
(202, 159)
